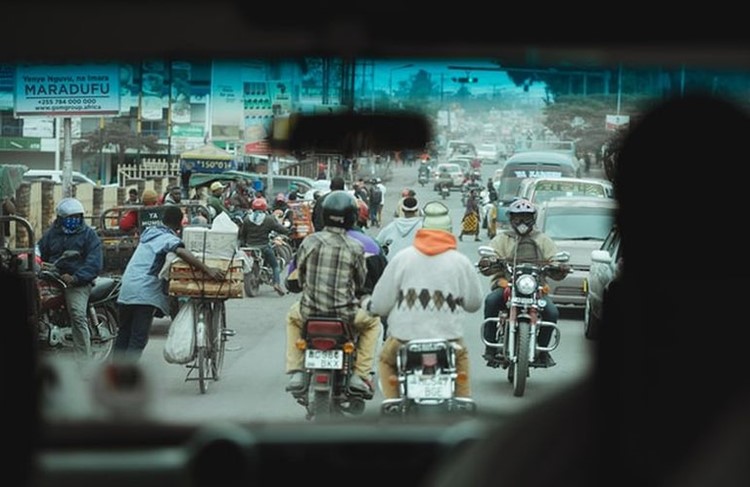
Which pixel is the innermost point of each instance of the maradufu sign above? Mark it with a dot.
(74, 90)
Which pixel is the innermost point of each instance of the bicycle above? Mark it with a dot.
(211, 335)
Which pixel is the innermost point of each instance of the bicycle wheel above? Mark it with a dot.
(202, 359)
(203, 343)
(219, 338)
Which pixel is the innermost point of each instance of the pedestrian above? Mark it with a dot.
(133, 198)
(470, 220)
(134, 220)
(143, 293)
(215, 201)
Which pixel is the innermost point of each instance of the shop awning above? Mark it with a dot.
(207, 159)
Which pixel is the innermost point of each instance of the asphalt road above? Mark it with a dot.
(253, 378)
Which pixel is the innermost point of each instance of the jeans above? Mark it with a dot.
(77, 301)
(270, 257)
(135, 328)
(494, 301)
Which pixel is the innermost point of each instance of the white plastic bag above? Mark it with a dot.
(180, 345)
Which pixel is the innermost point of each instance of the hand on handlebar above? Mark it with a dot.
(67, 279)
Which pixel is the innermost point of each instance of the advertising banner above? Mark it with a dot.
(67, 90)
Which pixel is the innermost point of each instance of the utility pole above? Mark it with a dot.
(67, 170)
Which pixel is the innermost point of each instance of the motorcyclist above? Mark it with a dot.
(424, 170)
(522, 243)
(69, 231)
(254, 232)
(424, 291)
(332, 273)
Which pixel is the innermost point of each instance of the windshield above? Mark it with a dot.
(147, 114)
(580, 224)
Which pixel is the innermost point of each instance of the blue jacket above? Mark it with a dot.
(140, 281)
(85, 240)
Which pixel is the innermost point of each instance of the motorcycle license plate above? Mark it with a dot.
(520, 300)
(428, 387)
(324, 359)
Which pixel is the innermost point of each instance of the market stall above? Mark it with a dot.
(207, 159)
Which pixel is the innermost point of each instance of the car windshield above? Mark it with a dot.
(578, 223)
(137, 122)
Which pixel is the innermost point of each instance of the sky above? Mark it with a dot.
(487, 80)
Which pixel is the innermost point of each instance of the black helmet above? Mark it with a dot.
(340, 209)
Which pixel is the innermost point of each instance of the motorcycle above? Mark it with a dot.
(55, 331)
(445, 190)
(423, 178)
(330, 346)
(260, 272)
(517, 326)
(427, 378)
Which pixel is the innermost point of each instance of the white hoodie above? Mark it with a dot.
(401, 232)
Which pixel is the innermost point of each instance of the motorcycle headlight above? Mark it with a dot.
(526, 284)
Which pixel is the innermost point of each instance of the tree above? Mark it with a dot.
(120, 138)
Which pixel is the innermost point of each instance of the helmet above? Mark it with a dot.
(522, 216)
(340, 209)
(260, 204)
(68, 207)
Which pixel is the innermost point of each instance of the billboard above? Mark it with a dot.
(71, 90)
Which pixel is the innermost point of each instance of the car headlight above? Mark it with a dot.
(526, 284)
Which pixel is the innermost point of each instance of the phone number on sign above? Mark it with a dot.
(69, 104)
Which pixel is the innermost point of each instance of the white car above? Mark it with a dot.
(488, 153)
(56, 176)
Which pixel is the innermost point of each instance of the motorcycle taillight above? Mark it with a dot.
(320, 327)
(323, 343)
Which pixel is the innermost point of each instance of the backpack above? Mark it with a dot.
(376, 196)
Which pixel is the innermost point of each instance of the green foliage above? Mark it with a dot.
(118, 136)
(582, 118)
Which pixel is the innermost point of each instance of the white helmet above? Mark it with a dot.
(522, 216)
(69, 206)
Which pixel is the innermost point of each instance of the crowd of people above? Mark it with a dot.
(340, 269)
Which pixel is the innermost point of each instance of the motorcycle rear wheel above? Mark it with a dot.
(252, 281)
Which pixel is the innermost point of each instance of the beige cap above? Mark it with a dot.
(216, 185)
(437, 217)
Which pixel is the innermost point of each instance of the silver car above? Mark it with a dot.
(606, 263)
(578, 225)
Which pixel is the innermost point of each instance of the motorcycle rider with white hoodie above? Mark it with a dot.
(425, 291)
(400, 232)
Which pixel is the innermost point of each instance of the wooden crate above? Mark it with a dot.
(184, 280)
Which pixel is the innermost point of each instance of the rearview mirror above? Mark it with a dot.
(351, 133)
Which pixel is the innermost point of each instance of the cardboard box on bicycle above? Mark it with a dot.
(220, 240)
(184, 280)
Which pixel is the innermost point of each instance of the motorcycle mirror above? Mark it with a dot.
(563, 256)
(486, 251)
